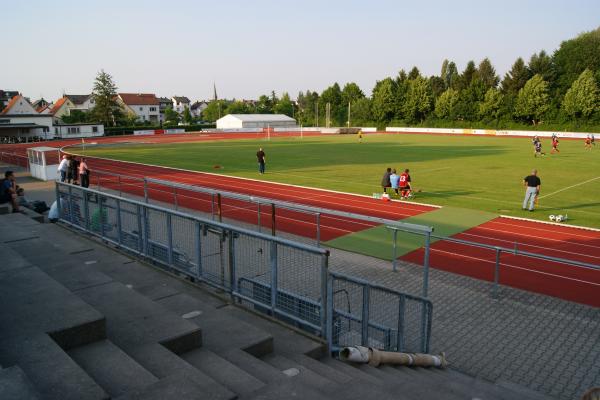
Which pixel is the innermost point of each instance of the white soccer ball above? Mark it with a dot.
(559, 218)
(552, 217)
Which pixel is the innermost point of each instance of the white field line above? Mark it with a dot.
(569, 187)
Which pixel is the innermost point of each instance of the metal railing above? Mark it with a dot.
(260, 211)
(361, 312)
(497, 253)
(285, 279)
(14, 159)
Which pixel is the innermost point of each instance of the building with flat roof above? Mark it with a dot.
(253, 121)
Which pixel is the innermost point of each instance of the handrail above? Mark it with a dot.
(224, 226)
(292, 206)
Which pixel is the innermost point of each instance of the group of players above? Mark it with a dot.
(537, 144)
(400, 184)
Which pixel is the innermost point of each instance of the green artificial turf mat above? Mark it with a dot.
(377, 242)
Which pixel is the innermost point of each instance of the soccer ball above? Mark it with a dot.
(559, 218)
(552, 218)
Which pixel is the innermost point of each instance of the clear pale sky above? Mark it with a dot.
(251, 47)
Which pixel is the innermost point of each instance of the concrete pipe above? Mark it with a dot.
(374, 357)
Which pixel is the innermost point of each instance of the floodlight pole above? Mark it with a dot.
(348, 114)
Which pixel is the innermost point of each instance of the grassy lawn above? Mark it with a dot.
(483, 173)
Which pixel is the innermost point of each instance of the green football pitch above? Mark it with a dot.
(483, 173)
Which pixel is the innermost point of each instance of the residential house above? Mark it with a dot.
(61, 108)
(198, 107)
(145, 106)
(20, 119)
(180, 103)
(83, 102)
(40, 104)
(6, 96)
(163, 104)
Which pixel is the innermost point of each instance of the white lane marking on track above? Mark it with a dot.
(517, 267)
(569, 187)
(577, 227)
(326, 193)
(522, 244)
(541, 229)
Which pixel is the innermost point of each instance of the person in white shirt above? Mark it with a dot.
(63, 167)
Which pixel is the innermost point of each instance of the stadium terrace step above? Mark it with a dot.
(15, 385)
(134, 320)
(223, 371)
(111, 368)
(178, 386)
(221, 331)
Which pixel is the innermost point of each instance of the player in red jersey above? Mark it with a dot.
(554, 145)
(405, 189)
(588, 142)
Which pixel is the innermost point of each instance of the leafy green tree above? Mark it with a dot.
(264, 105)
(414, 73)
(469, 98)
(445, 105)
(486, 73)
(214, 110)
(450, 75)
(532, 101)
(468, 75)
(361, 112)
(351, 93)
(419, 99)
(542, 64)
(171, 116)
(581, 100)
(575, 55)
(106, 110)
(238, 107)
(383, 106)
(187, 115)
(284, 106)
(491, 105)
(333, 96)
(516, 78)
(76, 117)
(438, 86)
(306, 108)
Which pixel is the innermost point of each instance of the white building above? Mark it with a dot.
(180, 103)
(241, 121)
(144, 106)
(19, 119)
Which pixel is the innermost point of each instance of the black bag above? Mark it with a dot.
(39, 206)
(4, 192)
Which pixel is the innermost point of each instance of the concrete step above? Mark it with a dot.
(354, 373)
(134, 320)
(223, 371)
(288, 389)
(15, 385)
(111, 368)
(52, 372)
(177, 387)
(296, 371)
(221, 331)
(166, 365)
(254, 366)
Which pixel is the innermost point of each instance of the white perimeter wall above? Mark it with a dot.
(488, 132)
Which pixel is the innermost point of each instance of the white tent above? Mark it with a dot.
(241, 121)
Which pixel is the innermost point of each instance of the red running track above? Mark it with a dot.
(555, 279)
(287, 220)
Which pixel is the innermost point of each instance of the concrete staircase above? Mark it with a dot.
(83, 321)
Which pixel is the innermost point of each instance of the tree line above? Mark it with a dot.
(558, 90)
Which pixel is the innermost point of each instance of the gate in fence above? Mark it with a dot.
(288, 280)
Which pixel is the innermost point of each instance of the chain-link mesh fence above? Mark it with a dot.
(369, 315)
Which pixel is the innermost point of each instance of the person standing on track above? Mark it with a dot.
(394, 180)
(385, 181)
(260, 155)
(532, 184)
(84, 173)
